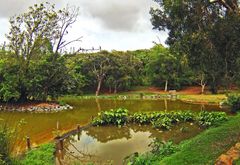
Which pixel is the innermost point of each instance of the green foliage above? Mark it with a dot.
(159, 120)
(8, 138)
(210, 144)
(207, 119)
(159, 150)
(62, 103)
(116, 117)
(206, 147)
(44, 155)
(199, 31)
(4, 145)
(165, 66)
(162, 149)
(162, 123)
(144, 118)
(32, 68)
(233, 100)
(162, 120)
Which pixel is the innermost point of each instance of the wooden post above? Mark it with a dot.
(61, 144)
(78, 132)
(28, 143)
(78, 128)
(57, 125)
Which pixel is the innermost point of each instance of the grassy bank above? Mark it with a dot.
(44, 155)
(207, 146)
(193, 98)
(209, 98)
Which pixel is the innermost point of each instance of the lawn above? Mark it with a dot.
(207, 146)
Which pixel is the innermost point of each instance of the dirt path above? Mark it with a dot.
(188, 90)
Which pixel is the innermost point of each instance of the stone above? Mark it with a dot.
(224, 160)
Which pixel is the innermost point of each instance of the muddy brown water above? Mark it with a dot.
(113, 145)
(42, 128)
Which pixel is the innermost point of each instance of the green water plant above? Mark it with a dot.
(159, 120)
(162, 123)
(114, 116)
(207, 119)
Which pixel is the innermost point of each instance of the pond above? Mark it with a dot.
(112, 145)
(42, 128)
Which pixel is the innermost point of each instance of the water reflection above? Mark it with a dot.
(112, 144)
(82, 113)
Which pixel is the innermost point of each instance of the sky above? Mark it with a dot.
(111, 24)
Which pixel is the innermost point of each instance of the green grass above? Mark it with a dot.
(213, 99)
(207, 146)
(196, 98)
(44, 155)
(237, 162)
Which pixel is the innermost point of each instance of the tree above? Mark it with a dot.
(194, 30)
(124, 71)
(97, 65)
(35, 40)
(162, 67)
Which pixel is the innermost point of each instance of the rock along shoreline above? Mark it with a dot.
(36, 108)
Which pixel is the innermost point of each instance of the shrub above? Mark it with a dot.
(8, 136)
(233, 100)
(162, 148)
(159, 150)
(4, 145)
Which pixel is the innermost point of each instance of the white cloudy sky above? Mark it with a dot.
(111, 24)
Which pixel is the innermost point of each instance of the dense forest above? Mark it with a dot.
(201, 52)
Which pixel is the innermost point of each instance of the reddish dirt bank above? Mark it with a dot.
(187, 90)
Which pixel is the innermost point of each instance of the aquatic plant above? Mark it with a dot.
(207, 119)
(159, 120)
(114, 116)
(162, 123)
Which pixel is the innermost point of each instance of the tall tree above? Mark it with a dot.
(39, 35)
(194, 30)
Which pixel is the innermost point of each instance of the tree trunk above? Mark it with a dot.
(99, 86)
(115, 89)
(166, 86)
(110, 89)
(203, 88)
(23, 96)
(213, 85)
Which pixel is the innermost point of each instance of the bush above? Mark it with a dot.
(159, 150)
(4, 146)
(162, 148)
(7, 138)
(233, 100)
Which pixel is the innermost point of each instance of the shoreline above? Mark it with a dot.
(34, 107)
